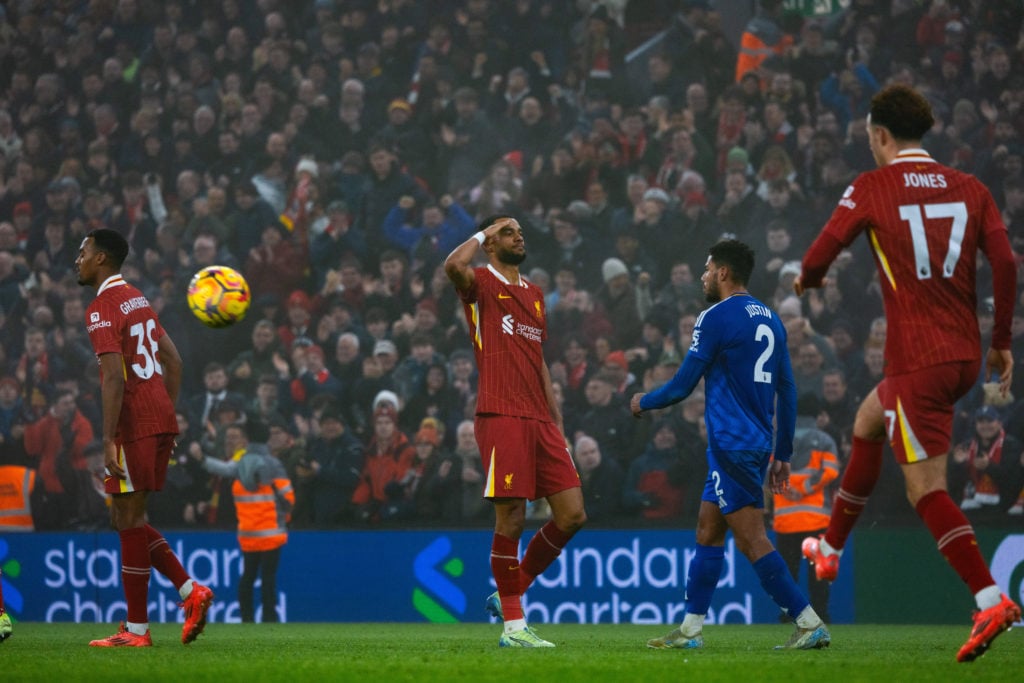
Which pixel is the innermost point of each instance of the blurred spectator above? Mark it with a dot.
(249, 366)
(605, 417)
(56, 443)
(601, 480)
(618, 298)
(987, 469)
(203, 406)
(654, 481)
(427, 491)
(389, 455)
(327, 474)
(473, 504)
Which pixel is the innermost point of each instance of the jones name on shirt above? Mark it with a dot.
(935, 180)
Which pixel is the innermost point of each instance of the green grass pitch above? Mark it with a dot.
(469, 652)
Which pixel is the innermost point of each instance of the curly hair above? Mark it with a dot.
(904, 111)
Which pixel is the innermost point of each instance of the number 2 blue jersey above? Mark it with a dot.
(743, 346)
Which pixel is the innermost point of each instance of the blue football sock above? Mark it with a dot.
(779, 584)
(702, 578)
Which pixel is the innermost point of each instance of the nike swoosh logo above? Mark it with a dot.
(848, 511)
(504, 296)
(513, 567)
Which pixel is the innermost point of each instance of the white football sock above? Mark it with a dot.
(513, 625)
(185, 590)
(808, 618)
(988, 597)
(692, 625)
(826, 549)
(137, 629)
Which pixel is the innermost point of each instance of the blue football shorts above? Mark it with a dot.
(736, 479)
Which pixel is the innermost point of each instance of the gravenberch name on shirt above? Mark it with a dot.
(134, 304)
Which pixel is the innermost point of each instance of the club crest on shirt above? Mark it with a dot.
(537, 311)
(846, 201)
(508, 481)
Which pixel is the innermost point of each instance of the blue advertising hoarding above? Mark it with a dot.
(626, 576)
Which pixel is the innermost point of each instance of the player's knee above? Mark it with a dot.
(572, 521)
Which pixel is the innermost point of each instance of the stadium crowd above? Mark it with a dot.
(335, 151)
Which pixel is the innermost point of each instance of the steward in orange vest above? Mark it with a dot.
(804, 509)
(16, 485)
(762, 38)
(264, 499)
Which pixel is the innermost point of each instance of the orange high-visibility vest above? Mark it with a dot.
(262, 518)
(760, 40)
(811, 512)
(16, 484)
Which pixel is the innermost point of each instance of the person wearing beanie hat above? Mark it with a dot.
(613, 268)
(428, 434)
(307, 165)
(618, 297)
(389, 456)
(518, 425)
(738, 159)
(385, 397)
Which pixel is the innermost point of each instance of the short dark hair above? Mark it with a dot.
(111, 243)
(736, 256)
(904, 111)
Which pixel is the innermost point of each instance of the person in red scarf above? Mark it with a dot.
(57, 442)
(987, 469)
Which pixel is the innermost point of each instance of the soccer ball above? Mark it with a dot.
(218, 296)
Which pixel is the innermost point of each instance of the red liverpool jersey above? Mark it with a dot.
(925, 223)
(120, 320)
(508, 325)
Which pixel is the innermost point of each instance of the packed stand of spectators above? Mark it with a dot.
(335, 151)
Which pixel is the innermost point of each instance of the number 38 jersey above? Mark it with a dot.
(925, 223)
(120, 320)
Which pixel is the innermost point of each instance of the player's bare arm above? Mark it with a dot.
(170, 360)
(112, 392)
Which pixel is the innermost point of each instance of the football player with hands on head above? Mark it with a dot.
(925, 224)
(140, 374)
(739, 349)
(518, 422)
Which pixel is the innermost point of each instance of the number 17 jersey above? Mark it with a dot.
(120, 320)
(925, 223)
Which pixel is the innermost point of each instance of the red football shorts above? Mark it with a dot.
(144, 462)
(523, 458)
(919, 408)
